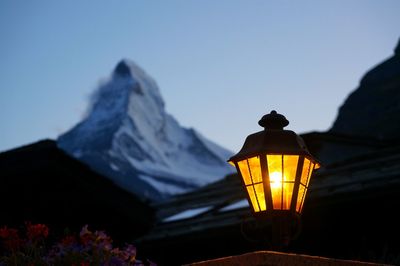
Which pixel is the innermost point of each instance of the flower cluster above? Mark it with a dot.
(23, 251)
(36, 232)
(85, 248)
(10, 238)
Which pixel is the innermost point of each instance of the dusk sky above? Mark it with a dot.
(220, 65)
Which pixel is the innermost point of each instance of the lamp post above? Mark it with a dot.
(275, 168)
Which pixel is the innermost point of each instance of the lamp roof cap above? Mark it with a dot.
(273, 140)
(273, 121)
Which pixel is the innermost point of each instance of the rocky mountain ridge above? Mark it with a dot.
(129, 137)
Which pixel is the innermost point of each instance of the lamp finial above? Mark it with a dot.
(274, 121)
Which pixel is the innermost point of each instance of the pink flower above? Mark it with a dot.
(86, 235)
(103, 241)
(131, 252)
(85, 231)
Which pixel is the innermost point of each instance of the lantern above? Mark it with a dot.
(275, 167)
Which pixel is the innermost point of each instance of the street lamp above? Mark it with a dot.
(275, 167)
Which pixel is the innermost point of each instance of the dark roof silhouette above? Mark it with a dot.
(348, 199)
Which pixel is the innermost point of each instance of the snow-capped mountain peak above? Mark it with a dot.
(128, 136)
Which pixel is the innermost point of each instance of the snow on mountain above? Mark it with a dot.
(128, 137)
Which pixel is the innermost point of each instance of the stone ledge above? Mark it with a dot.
(272, 258)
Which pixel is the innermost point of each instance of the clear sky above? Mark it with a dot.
(220, 65)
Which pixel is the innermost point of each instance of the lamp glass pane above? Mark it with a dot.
(274, 167)
(290, 167)
(253, 199)
(302, 201)
(255, 168)
(309, 173)
(276, 193)
(287, 195)
(259, 188)
(244, 171)
(275, 179)
(300, 197)
(305, 171)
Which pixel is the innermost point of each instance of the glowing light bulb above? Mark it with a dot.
(275, 179)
